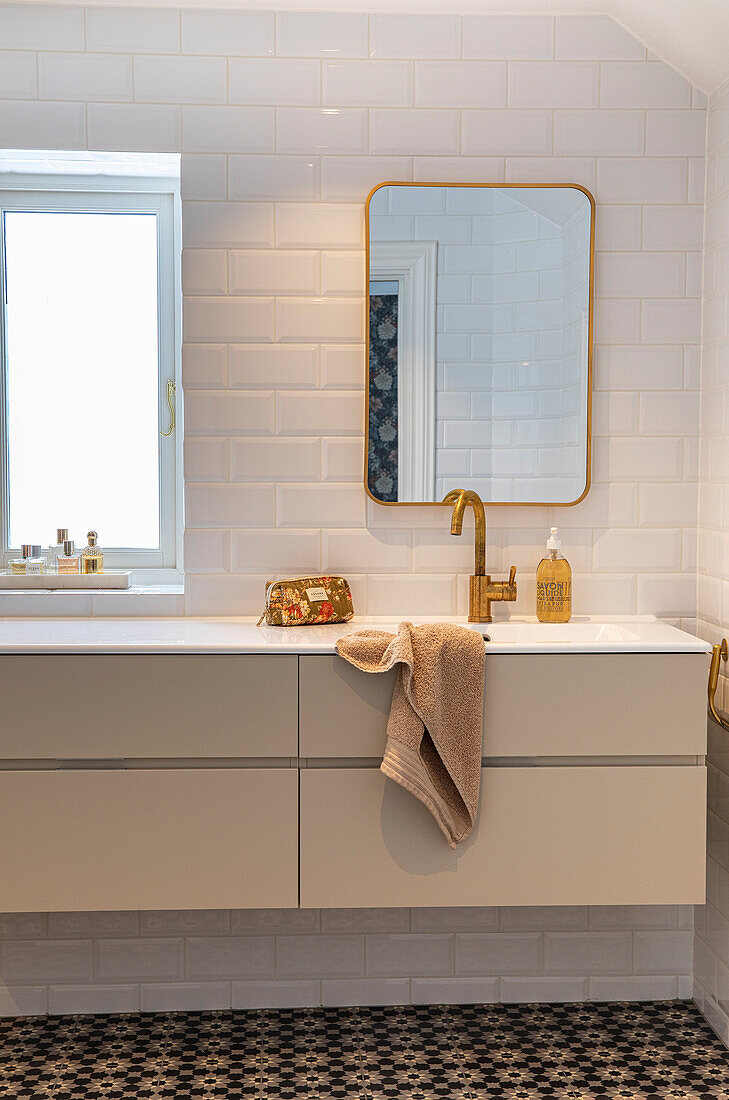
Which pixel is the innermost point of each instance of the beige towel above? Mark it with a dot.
(434, 730)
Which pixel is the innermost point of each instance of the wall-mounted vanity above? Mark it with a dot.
(174, 764)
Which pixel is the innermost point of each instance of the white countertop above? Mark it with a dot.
(620, 634)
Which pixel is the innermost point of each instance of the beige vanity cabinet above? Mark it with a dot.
(593, 790)
(148, 781)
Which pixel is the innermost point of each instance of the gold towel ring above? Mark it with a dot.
(718, 654)
(171, 389)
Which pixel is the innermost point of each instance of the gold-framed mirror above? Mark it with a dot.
(479, 342)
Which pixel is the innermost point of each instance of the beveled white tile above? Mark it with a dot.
(274, 81)
(341, 459)
(366, 551)
(581, 170)
(413, 131)
(656, 988)
(649, 180)
(662, 952)
(277, 459)
(274, 272)
(321, 130)
(542, 990)
(204, 271)
(81, 76)
(342, 366)
(180, 80)
(274, 177)
(648, 84)
(274, 921)
(671, 321)
(273, 366)
(407, 35)
(321, 34)
(46, 961)
(134, 126)
(229, 957)
(595, 37)
(587, 952)
(230, 129)
(233, 319)
(204, 176)
(599, 133)
(17, 75)
(640, 275)
(335, 225)
(332, 956)
(230, 505)
(455, 919)
(206, 460)
(204, 366)
(29, 125)
(365, 991)
(130, 30)
(553, 84)
(367, 83)
(365, 920)
(42, 27)
(458, 169)
(646, 551)
(276, 551)
(23, 1000)
(205, 552)
(233, 595)
(352, 178)
(226, 413)
(675, 133)
(454, 991)
(184, 996)
(65, 1000)
(498, 953)
(424, 954)
(326, 319)
(276, 994)
(398, 594)
(507, 37)
(323, 413)
(508, 132)
(80, 925)
(233, 33)
(460, 84)
(343, 273)
(320, 505)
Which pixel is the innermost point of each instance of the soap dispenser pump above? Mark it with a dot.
(554, 583)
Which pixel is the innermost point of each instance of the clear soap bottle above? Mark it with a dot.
(92, 556)
(554, 583)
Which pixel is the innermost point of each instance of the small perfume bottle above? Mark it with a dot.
(55, 551)
(92, 556)
(68, 559)
(31, 564)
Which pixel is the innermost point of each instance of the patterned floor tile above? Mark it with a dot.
(424, 1052)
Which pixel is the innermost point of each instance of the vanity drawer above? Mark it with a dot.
(545, 836)
(579, 704)
(112, 706)
(152, 839)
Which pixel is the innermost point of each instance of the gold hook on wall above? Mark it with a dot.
(171, 391)
(718, 654)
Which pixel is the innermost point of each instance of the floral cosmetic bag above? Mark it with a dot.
(307, 601)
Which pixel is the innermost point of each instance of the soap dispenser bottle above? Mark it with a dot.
(554, 583)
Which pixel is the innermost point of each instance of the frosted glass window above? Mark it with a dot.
(82, 376)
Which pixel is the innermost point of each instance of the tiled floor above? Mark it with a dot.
(412, 1053)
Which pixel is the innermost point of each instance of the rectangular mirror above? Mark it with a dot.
(479, 342)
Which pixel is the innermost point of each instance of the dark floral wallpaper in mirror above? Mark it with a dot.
(382, 451)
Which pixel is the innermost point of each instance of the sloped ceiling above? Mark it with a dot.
(691, 35)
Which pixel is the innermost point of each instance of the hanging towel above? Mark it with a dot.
(435, 726)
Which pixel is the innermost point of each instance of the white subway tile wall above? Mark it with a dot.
(711, 948)
(178, 961)
(285, 121)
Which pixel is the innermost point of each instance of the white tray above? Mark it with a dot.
(46, 581)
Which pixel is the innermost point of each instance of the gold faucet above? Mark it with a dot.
(482, 589)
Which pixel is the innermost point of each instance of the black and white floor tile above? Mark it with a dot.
(514, 1052)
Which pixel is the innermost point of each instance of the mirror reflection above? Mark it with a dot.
(479, 342)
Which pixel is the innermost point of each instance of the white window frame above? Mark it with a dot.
(116, 194)
(412, 265)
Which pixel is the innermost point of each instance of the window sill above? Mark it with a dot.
(141, 600)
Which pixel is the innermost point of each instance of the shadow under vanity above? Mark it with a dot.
(192, 764)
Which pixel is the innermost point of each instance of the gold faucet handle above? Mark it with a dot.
(512, 575)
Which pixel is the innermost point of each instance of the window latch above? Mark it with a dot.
(171, 391)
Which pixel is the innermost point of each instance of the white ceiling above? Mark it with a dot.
(691, 35)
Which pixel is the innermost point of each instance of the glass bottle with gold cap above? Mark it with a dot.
(92, 556)
(554, 583)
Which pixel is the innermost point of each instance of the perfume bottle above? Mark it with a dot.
(56, 550)
(31, 564)
(68, 559)
(92, 556)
